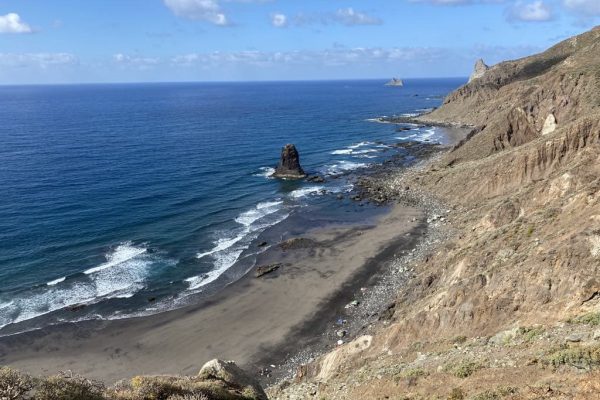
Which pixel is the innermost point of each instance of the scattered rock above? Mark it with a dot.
(76, 307)
(574, 338)
(266, 269)
(341, 333)
(353, 303)
(597, 335)
(298, 243)
(388, 312)
(315, 179)
(505, 337)
(289, 165)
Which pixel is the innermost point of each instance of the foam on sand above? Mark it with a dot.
(230, 246)
(122, 276)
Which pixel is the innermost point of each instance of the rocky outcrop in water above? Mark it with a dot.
(289, 165)
(395, 82)
(479, 70)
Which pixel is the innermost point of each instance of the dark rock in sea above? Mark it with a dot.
(76, 307)
(266, 269)
(262, 244)
(403, 128)
(289, 165)
(298, 243)
(151, 299)
(316, 179)
(340, 196)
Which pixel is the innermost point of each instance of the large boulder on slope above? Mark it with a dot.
(289, 164)
(232, 376)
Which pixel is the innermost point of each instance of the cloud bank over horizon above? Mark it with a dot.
(178, 40)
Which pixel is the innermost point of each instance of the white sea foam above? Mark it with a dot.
(260, 211)
(228, 250)
(305, 191)
(265, 172)
(246, 219)
(230, 247)
(344, 151)
(56, 281)
(129, 268)
(357, 145)
(122, 253)
(342, 166)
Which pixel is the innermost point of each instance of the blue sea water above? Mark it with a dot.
(130, 198)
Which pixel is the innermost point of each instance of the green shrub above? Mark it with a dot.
(456, 394)
(200, 396)
(497, 394)
(592, 318)
(463, 369)
(459, 339)
(69, 387)
(585, 357)
(13, 384)
(532, 333)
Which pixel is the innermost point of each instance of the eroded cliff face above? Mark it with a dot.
(510, 307)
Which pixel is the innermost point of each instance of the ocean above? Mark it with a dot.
(124, 200)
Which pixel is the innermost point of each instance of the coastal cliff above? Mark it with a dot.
(509, 307)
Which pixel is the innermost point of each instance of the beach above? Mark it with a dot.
(251, 320)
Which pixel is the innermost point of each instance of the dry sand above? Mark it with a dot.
(248, 320)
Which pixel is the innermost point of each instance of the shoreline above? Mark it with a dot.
(257, 322)
(247, 318)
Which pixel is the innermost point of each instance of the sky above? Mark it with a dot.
(75, 41)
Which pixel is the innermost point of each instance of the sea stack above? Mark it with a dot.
(480, 69)
(289, 165)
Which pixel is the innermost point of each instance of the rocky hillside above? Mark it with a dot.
(509, 308)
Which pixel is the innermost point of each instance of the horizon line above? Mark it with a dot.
(91, 83)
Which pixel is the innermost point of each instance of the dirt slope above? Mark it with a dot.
(496, 312)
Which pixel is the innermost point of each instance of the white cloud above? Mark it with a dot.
(279, 20)
(344, 16)
(348, 16)
(455, 2)
(585, 7)
(36, 60)
(536, 11)
(204, 10)
(135, 61)
(11, 23)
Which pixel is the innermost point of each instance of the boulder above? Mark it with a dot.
(266, 269)
(549, 124)
(228, 373)
(479, 70)
(289, 165)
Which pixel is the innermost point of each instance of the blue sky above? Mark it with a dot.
(71, 41)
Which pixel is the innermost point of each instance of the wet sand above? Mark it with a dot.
(250, 321)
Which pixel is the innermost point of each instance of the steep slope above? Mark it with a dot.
(510, 307)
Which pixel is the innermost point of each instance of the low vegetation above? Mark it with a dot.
(592, 319)
(462, 369)
(582, 357)
(15, 385)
